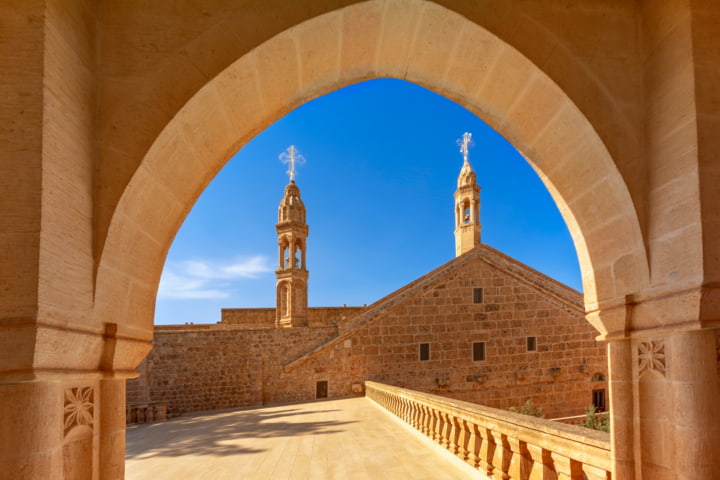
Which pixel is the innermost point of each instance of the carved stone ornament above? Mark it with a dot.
(79, 407)
(651, 357)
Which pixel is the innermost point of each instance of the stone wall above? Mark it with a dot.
(265, 317)
(207, 367)
(557, 376)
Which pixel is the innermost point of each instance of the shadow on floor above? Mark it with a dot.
(219, 433)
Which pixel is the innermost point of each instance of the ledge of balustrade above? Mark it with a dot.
(502, 444)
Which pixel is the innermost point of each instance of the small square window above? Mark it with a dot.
(531, 344)
(477, 295)
(424, 351)
(478, 351)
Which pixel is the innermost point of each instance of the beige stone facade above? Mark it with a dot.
(116, 115)
(496, 333)
(483, 327)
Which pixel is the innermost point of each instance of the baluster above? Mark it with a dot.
(453, 435)
(427, 421)
(487, 451)
(520, 461)
(505, 455)
(415, 415)
(432, 421)
(473, 444)
(595, 473)
(540, 462)
(440, 428)
(566, 468)
(463, 439)
(436, 425)
(444, 430)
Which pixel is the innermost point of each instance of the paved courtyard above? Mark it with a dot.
(336, 439)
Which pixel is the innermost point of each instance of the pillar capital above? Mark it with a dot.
(657, 312)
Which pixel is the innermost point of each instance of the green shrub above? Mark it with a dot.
(529, 409)
(595, 421)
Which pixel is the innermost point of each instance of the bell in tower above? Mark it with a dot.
(292, 274)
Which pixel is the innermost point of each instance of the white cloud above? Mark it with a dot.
(249, 268)
(203, 279)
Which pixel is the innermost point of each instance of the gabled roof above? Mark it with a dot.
(554, 291)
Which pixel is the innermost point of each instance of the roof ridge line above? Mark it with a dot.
(387, 301)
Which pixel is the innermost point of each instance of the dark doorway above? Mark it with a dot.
(599, 400)
(321, 389)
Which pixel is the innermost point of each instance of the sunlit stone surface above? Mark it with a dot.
(338, 439)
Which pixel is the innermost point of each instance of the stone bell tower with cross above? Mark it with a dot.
(292, 274)
(467, 203)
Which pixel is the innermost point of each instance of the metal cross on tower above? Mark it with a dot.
(464, 143)
(292, 157)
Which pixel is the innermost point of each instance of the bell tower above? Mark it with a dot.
(292, 274)
(467, 204)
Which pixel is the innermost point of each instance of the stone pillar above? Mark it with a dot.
(51, 427)
(664, 397)
(620, 387)
(31, 430)
(692, 381)
(112, 428)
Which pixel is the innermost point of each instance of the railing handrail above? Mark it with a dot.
(585, 451)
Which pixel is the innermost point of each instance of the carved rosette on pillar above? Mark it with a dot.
(663, 400)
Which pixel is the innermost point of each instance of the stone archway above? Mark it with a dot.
(371, 40)
(128, 111)
(119, 116)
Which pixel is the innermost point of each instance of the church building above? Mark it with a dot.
(483, 328)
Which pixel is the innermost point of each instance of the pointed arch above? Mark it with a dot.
(414, 40)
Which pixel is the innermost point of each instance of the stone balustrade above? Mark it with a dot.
(502, 444)
(149, 412)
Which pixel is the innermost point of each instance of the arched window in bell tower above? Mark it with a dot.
(466, 212)
(284, 255)
(298, 256)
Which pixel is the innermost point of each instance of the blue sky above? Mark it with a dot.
(381, 168)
